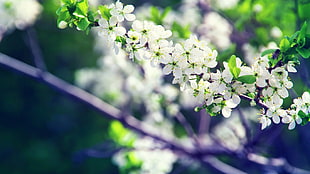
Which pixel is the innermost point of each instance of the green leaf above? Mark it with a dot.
(301, 114)
(269, 51)
(121, 135)
(305, 117)
(81, 9)
(121, 40)
(83, 24)
(284, 44)
(248, 79)
(304, 52)
(232, 64)
(105, 12)
(155, 15)
(301, 40)
(68, 2)
(165, 12)
(181, 31)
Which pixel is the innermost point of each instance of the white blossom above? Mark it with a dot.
(121, 12)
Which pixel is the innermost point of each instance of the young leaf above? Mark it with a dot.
(181, 31)
(269, 51)
(284, 44)
(105, 12)
(81, 9)
(304, 52)
(301, 40)
(248, 79)
(232, 64)
(83, 24)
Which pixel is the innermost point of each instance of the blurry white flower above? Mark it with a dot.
(18, 13)
(276, 32)
(216, 29)
(226, 4)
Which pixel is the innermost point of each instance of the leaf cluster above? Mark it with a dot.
(76, 13)
(291, 48)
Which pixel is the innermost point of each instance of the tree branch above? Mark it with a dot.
(246, 125)
(94, 102)
(205, 157)
(222, 167)
(275, 164)
(35, 49)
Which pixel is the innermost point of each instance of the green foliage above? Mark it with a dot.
(305, 117)
(157, 16)
(232, 64)
(296, 45)
(284, 44)
(248, 79)
(121, 135)
(180, 30)
(105, 12)
(76, 13)
(268, 51)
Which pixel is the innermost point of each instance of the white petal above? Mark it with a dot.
(286, 119)
(226, 111)
(120, 31)
(306, 97)
(167, 69)
(177, 72)
(113, 21)
(103, 23)
(276, 119)
(128, 9)
(298, 120)
(230, 104)
(236, 99)
(290, 67)
(114, 12)
(291, 125)
(130, 17)
(261, 82)
(119, 5)
(283, 92)
(288, 84)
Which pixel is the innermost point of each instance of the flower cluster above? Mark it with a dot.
(19, 14)
(192, 63)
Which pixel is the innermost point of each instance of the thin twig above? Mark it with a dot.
(188, 128)
(35, 49)
(257, 102)
(246, 125)
(204, 123)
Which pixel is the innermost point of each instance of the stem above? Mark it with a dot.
(35, 49)
(246, 125)
(188, 128)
